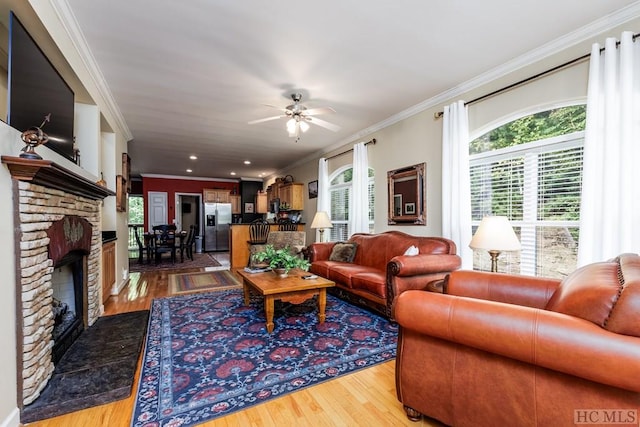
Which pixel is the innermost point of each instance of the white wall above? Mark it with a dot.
(418, 138)
(413, 140)
(10, 144)
(96, 116)
(86, 130)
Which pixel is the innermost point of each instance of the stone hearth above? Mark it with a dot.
(40, 208)
(56, 213)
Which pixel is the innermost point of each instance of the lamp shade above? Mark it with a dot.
(495, 234)
(321, 220)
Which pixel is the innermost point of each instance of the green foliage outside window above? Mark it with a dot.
(136, 210)
(546, 124)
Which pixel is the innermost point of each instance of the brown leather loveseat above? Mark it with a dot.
(379, 270)
(499, 350)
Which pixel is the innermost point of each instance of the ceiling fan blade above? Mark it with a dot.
(317, 111)
(284, 110)
(253, 122)
(323, 123)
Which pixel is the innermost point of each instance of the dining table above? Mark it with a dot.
(150, 236)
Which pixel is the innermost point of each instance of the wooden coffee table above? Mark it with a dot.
(291, 289)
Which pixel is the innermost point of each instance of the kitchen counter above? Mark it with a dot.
(238, 246)
(271, 223)
(108, 236)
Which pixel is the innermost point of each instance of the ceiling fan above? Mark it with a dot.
(299, 117)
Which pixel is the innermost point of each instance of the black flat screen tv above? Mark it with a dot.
(36, 89)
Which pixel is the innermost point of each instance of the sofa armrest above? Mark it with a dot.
(416, 272)
(405, 265)
(512, 289)
(548, 339)
(320, 251)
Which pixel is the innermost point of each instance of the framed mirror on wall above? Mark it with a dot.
(407, 195)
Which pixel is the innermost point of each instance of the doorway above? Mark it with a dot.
(157, 211)
(189, 211)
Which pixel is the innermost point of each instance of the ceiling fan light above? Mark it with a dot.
(304, 126)
(291, 126)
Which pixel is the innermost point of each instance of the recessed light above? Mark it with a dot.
(247, 162)
(192, 157)
(233, 173)
(189, 170)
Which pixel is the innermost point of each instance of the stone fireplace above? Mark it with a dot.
(58, 238)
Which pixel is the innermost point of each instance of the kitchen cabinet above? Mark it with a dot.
(262, 202)
(293, 194)
(272, 192)
(236, 202)
(216, 196)
(108, 269)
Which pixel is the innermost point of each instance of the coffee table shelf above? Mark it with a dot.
(293, 289)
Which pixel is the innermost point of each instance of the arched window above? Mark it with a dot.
(530, 170)
(339, 194)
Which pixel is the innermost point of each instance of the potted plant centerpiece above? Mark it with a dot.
(281, 260)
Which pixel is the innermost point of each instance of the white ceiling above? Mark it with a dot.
(187, 76)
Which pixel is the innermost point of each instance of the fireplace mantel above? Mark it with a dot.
(52, 175)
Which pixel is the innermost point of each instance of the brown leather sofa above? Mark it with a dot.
(499, 350)
(380, 271)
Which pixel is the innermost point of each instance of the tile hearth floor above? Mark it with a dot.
(98, 368)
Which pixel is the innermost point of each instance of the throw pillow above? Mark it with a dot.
(590, 293)
(412, 251)
(343, 252)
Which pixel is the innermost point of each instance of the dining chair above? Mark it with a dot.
(191, 241)
(258, 234)
(285, 224)
(184, 242)
(165, 241)
(142, 247)
(163, 227)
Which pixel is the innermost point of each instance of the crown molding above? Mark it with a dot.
(71, 27)
(556, 46)
(187, 178)
(582, 34)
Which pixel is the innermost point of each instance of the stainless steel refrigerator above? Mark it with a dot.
(217, 217)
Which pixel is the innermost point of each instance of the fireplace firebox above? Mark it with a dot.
(68, 283)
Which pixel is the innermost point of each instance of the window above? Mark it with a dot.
(136, 218)
(530, 170)
(339, 194)
(136, 210)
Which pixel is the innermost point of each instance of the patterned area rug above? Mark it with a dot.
(199, 261)
(187, 283)
(208, 355)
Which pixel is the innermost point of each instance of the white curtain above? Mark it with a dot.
(456, 191)
(359, 203)
(610, 203)
(324, 199)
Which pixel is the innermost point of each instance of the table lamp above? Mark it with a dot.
(495, 234)
(321, 221)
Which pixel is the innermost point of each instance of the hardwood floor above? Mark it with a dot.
(367, 397)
